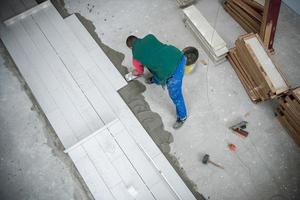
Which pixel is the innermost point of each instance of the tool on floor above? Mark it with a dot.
(239, 128)
(206, 160)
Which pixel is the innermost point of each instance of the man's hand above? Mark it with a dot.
(137, 73)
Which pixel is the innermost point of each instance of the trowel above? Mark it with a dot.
(130, 76)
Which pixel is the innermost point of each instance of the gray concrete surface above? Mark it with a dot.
(266, 164)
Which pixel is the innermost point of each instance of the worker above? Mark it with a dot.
(166, 64)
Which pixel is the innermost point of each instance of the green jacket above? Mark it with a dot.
(161, 59)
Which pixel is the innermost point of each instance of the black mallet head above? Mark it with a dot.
(205, 159)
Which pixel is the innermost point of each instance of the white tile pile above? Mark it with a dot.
(209, 39)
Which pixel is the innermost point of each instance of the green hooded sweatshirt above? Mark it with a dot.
(161, 59)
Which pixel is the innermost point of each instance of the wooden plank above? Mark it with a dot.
(234, 14)
(269, 23)
(95, 52)
(93, 180)
(249, 10)
(229, 7)
(255, 5)
(244, 78)
(296, 93)
(246, 17)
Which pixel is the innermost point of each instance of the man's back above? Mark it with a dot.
(159, 58)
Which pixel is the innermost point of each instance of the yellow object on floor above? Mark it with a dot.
(189, 68)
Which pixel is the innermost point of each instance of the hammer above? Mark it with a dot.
(206, 160)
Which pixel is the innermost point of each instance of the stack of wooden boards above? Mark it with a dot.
(248, 13)
(209, 39)
(255, 68)
(75, 85)
(288, 113)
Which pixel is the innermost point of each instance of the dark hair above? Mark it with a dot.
(130, 40)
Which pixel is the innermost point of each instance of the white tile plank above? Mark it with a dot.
(109, 146)
(62, 129)
(162, 191)
(125, 169)
(66, 106)
(71, 62)
(132, 179)
(172, 178)
(34, 82)
(91, 177)
(204, 28)
(77, 154)
(61, 73)
(121, 192)
(95, 52)
(103, 166)
(137, 158)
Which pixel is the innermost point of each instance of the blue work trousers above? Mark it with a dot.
(174, 85)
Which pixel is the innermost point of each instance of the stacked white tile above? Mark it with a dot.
(71, 79)
(210, 40)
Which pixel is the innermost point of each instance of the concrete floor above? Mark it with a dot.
(266, 164)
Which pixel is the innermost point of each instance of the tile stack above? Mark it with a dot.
(257, 71)
(248, 13)
(288, 113)
(209, 39)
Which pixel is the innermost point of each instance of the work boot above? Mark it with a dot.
(179, 122)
